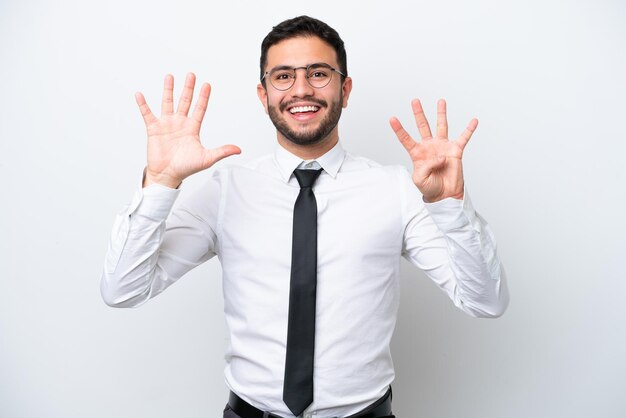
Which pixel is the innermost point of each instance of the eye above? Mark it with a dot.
(319, 73)
(282, 75)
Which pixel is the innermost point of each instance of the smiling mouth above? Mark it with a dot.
(303, 109)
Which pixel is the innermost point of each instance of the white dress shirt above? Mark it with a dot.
(368, 216)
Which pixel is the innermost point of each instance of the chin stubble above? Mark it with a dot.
(307, 137)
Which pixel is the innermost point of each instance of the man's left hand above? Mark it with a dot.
(437, 168)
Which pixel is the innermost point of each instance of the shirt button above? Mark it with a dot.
(309, 165)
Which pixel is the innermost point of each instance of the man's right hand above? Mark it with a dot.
(174, 148)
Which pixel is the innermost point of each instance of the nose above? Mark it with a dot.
(301, 86)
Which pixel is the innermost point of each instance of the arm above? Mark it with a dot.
(456, 249)
(145, 256)
(446, 237)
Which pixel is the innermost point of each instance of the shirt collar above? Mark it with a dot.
(330, 162)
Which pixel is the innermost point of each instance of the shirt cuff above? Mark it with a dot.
(450, 213)
(154, 202)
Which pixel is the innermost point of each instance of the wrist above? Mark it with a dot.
(163, 180)
(433, 199)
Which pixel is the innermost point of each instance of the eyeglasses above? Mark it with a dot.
(318, 75)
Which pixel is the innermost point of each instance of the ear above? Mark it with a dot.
(262, 93)
(346, 88)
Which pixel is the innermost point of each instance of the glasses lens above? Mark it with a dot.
(282, 79)
(319, 75)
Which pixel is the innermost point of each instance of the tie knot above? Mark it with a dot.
(306, 178)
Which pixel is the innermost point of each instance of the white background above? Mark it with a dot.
(546, 80)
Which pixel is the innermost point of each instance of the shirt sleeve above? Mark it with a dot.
(456, 248)
(154, 242)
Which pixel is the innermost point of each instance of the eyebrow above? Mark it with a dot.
(281, 67)
(289, 67)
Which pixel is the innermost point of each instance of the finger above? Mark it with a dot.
(426, 167)
(203, 101)
(167, 103)
(402, 134)
(187, 95)
(420, 119)
(146, 113)
(211, 156)
(442, 120)
(467, 133)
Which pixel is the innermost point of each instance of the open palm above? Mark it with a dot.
(437, 165)
(174, 148)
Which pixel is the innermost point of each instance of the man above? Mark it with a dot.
(309, 238)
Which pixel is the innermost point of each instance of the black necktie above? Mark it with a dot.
(298, 387)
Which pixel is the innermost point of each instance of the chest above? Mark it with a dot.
(356, 219)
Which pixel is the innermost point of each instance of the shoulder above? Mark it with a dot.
(224, 171)
(248, 174)
(357, 162)
(212, 186)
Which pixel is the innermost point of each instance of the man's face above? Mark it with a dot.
(304, 115)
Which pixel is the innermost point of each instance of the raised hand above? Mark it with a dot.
(437, 168)
(174, 148)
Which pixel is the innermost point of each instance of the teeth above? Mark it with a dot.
(300, 109)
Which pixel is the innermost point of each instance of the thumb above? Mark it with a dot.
(211, 156)
(426, 167)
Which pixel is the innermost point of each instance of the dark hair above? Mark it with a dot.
(304, 26)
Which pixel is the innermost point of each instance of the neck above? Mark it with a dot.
(309, 152)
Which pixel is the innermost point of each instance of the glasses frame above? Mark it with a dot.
(306, 74)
